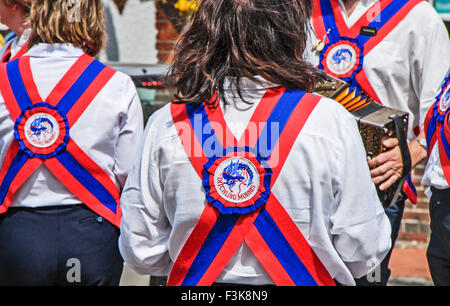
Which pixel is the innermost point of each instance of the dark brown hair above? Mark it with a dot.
(242, 38)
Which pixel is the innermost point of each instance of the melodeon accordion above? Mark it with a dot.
(375, 122)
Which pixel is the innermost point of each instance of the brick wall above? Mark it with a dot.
(169, 24)
(415, 224)
(416, 219)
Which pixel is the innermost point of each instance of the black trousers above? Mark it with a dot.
(61, 245)
(438, 252)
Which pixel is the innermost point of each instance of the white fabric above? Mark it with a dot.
(107, 131)
(406, 68)
(325, 187)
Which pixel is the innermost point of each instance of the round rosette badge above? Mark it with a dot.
(237, 183)
(41, 131)
(444, 99)
(440, 108)
(342, 59)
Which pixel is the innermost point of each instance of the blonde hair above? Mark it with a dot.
(77, 22)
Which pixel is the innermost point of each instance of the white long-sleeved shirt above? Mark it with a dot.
(107, 131)
(325, 187)
(407, 67)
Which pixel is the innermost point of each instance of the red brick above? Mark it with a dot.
(410, 263)
(165, 57)
(160, 14)
(423, 204)
(168, 36)
(421, 215)
(165, 25)
(165, 46)
(413, 236)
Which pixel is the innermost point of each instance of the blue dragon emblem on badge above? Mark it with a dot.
(41, 125)
(236, 182)
(41, 130)
(342, 55)
(237, 172)
(236, 179)
(342, 59)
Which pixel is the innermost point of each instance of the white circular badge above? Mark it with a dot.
(236, 179)
(41, 130)
(444, 102)
(341, 59)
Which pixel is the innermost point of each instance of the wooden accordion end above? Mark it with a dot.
(375, 122)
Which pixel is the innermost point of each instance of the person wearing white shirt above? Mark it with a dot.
(400, 52)
(327, 197)
(14, 14)
(68, 131)
(437, 180)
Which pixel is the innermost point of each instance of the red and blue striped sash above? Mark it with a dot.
(436, 127)
(260, 221)
(342, 42)
(345, 48)
(42, 134)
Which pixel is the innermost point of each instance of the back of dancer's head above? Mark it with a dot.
(80, 23)
(242, 38)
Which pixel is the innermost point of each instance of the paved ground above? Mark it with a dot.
(408, 265)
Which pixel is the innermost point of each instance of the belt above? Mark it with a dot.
(440, 194)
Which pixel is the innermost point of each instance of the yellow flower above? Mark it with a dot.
(186, 6)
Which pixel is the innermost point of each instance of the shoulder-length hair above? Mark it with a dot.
(79, 22)
(242, 38)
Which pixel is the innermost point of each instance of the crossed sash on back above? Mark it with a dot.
(237, 178)
(42, 134)
(437, 129)
(345, 48)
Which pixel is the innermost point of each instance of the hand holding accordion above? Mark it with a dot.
(376, 124)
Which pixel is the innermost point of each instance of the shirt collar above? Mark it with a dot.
(362, 8)
(363, 2)
(251, 91)
(247, 84)
(55, 50)
(18, 43)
